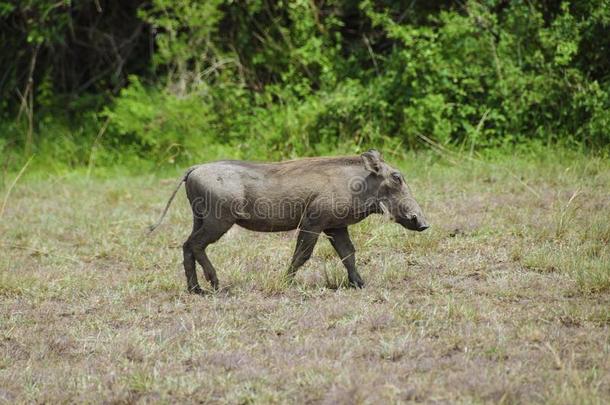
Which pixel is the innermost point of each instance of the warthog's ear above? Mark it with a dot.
(372, 161)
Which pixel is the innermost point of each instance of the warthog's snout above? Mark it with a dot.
(423, 227)
(420, 223)
(415, 222)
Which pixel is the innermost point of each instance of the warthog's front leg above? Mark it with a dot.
(340, 240)
(306, 241)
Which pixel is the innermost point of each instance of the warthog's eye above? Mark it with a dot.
(396, 177)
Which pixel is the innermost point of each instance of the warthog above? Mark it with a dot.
(312, 195)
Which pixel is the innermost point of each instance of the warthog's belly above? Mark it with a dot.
(261, 225)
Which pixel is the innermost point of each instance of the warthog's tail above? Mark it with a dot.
(169, 202)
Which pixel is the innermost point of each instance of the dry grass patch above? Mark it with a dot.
(505, 299)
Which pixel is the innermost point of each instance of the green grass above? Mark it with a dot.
(505, 299)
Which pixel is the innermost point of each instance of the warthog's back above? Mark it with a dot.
(272, 196)
(294, 177)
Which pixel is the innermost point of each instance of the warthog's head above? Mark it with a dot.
(393, 195)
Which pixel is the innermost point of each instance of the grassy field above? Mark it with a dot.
(506, 299)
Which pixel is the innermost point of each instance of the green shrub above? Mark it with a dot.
(267, 79)
(160, 124)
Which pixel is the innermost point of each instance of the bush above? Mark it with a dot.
(162, 125)
(266, 79)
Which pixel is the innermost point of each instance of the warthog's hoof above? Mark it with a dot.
(356, 283)
(196, 290)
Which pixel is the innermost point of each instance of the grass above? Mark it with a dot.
(505, 299)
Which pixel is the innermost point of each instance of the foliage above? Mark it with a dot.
(264, 79)
(157, 121)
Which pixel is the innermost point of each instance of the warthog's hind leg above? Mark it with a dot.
(209, 232)
(340, 240)
(306, 241)
(189, 262)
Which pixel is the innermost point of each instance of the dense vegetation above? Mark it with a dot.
(164, 80)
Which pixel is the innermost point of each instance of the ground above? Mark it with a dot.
(505, 299)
